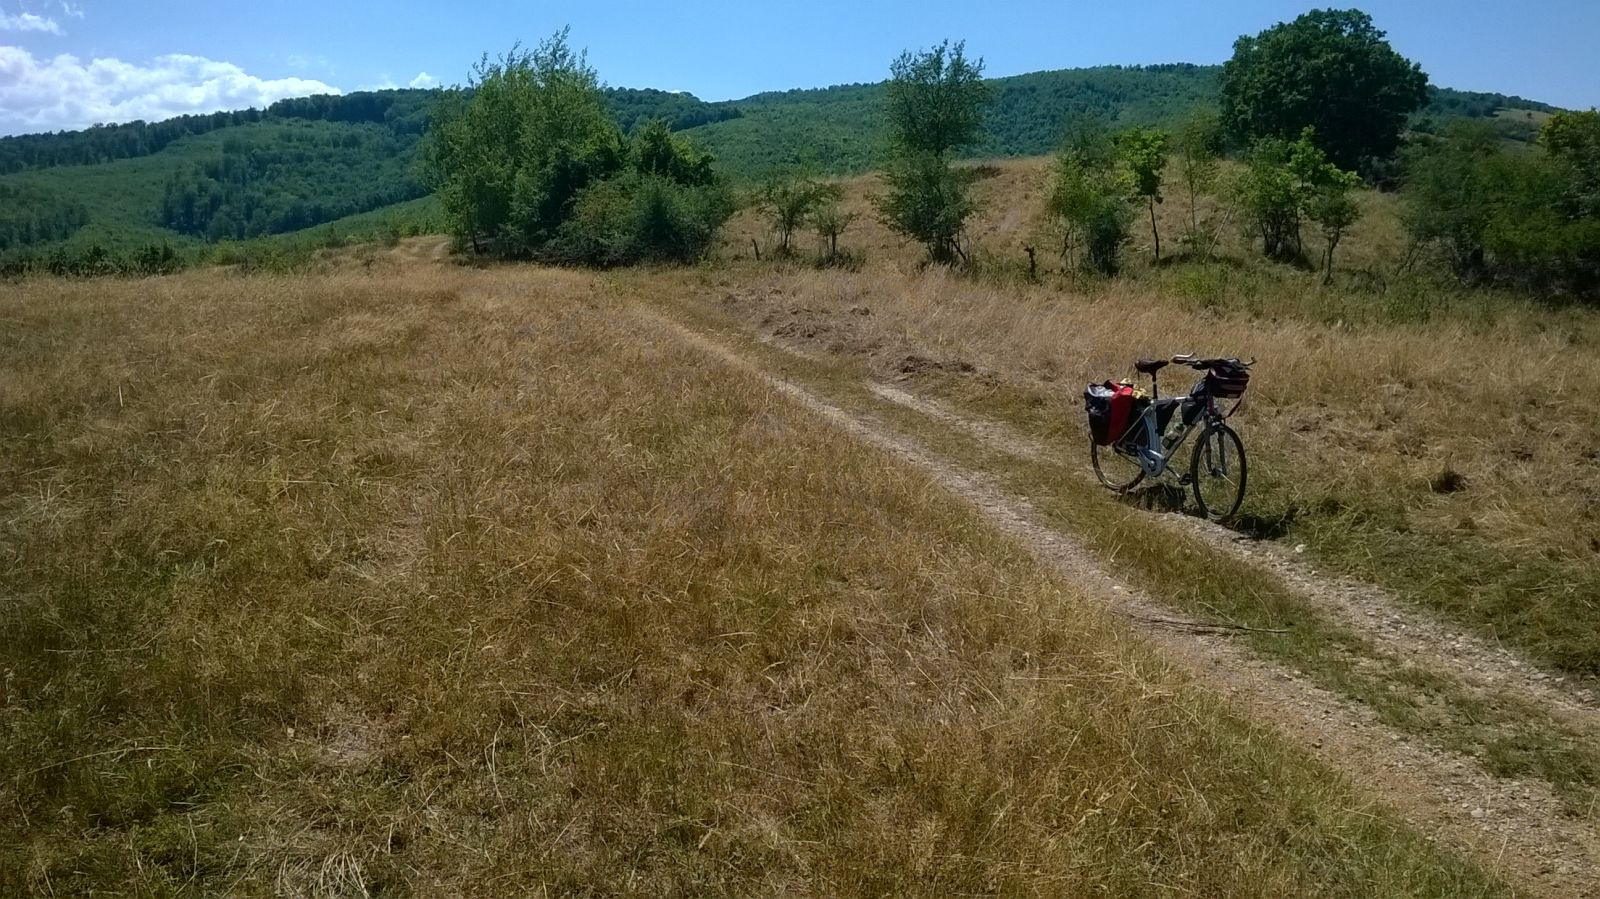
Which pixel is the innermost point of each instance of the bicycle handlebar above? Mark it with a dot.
(1198, 363)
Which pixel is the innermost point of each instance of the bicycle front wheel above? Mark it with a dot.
(1117, 471)
(1217, 473)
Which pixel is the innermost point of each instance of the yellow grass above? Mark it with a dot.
(1011, 197)
(1440, 440)
(436, 582)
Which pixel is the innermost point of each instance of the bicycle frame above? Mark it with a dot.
(1157, 452)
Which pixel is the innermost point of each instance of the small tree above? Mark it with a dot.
(1452, 187)
(929, 201)
(1572, 141)
(1144, 155)
(1333, 207)
(935, 100)
(830, 220)
(1090, 200)
(1270, 198)
(1199, 145)
(788, 203)
(1285, 183)
(934, 104)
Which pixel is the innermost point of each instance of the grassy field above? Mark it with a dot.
(1439, 441)
(414, 580)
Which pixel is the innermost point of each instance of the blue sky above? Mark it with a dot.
(67, 63)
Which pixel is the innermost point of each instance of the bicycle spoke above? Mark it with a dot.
(1217, 473)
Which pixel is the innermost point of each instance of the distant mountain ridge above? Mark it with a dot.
(309, 161)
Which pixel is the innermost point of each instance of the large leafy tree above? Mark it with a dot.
(1330, 70)
(934, 105)
(935, 100)
(508, 158)
(530, 163)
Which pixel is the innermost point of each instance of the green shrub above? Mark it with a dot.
(531, 166)
(1526, 218)
(1091, 200)
(640, 217)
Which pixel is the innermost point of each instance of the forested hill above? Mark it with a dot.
(310, 161)
(401, 112)
(838, 129)
(298, 164)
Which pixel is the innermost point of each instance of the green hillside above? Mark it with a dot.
(837, 129)
(264, 177)
(308, 162)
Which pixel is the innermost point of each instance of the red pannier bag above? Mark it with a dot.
(1125, 408)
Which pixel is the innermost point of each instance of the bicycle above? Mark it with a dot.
(1217, 469)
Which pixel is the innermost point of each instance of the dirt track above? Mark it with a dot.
(1519, 829)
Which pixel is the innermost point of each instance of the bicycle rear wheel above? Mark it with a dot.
(1115, 470)
(1217, 473)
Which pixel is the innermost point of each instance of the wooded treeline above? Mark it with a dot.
(1499, 188)
(1307, 110)
(301, 178)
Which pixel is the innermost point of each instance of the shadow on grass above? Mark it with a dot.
(1157, 497)
(1274, 526)
(1169, 497)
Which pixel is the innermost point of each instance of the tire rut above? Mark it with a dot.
(1518, 829)
(1389, 623)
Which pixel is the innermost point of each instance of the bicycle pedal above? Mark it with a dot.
(1184, 480)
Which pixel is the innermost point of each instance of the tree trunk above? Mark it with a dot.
(1153, 232)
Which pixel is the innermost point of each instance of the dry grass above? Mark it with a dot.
(439, 582)
(1011, 215)
(1439, 441)
(1510, 736)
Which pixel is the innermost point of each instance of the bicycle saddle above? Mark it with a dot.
(1151, 366)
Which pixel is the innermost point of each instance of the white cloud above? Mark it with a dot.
(65, 92)
(27, 21)
(71, 10)
(424, 80)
